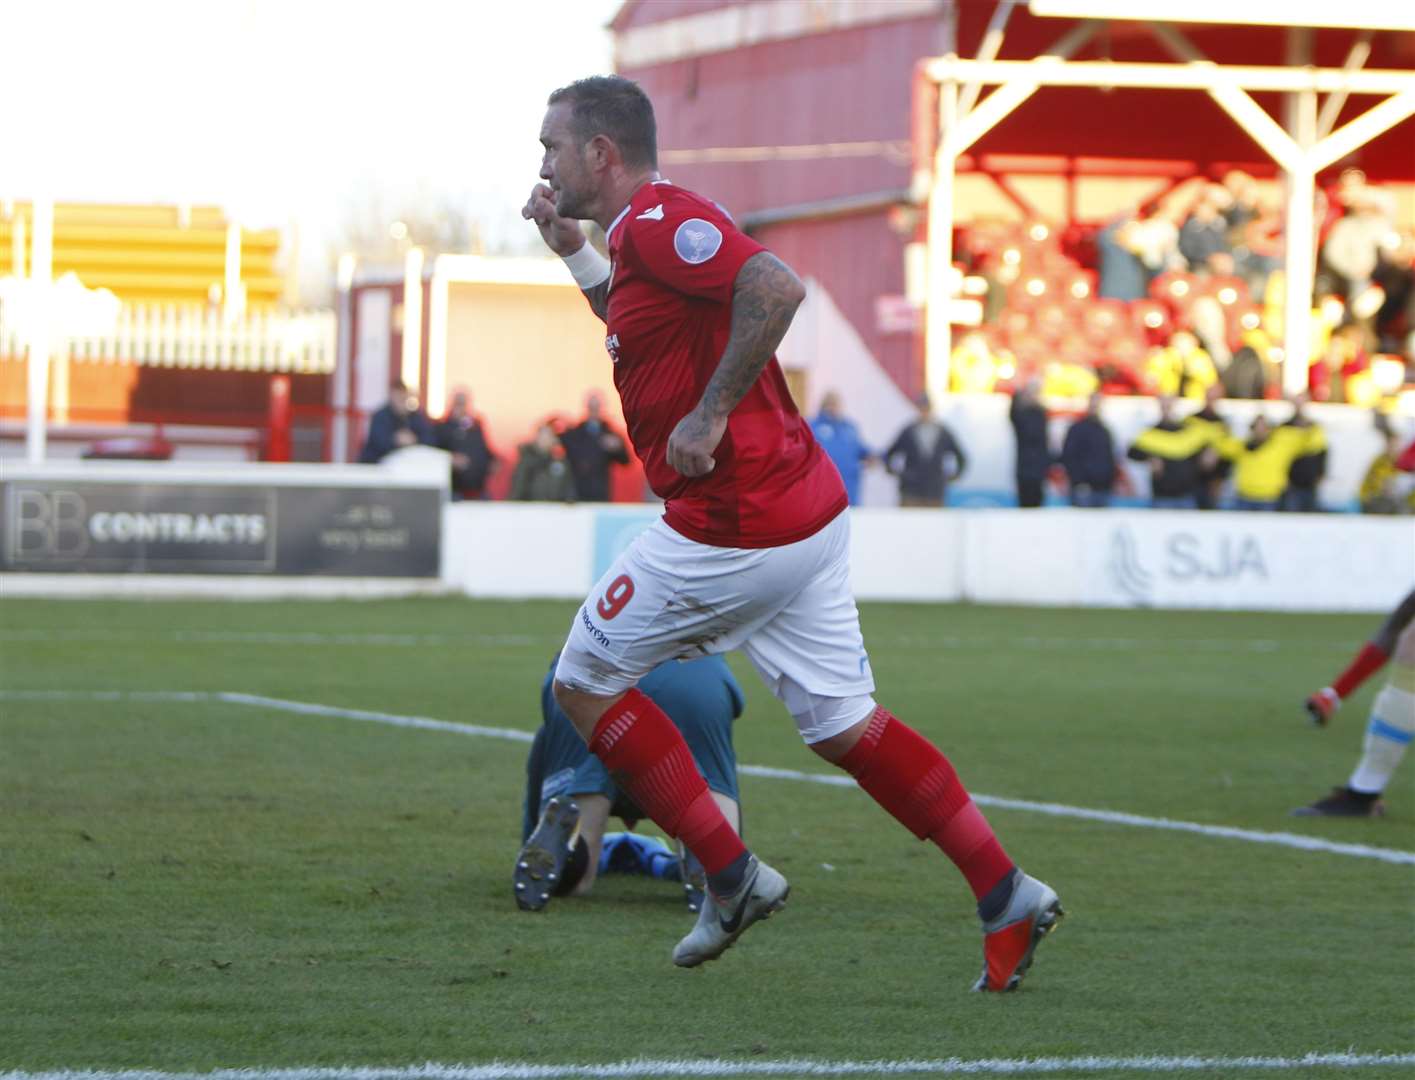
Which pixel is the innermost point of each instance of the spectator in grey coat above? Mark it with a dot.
(926, 458)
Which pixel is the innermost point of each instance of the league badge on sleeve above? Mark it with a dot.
(697, 241)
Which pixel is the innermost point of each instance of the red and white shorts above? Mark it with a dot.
(789, 609)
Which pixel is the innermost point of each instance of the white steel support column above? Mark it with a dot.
(41, 317)
(342, 382)
(435, 402)
(938, 333)
(232, 298)
(1300, 263)
(411, 368)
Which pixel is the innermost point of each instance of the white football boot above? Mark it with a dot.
(721, 920)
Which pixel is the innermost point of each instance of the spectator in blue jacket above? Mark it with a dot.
(1088, 456)
(840, 439)
(398, 424)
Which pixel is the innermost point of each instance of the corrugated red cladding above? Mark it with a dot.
(856, 259)
(850, 86)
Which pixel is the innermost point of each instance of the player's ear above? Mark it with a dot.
(601, 152)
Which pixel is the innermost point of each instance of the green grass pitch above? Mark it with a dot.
(195, 885)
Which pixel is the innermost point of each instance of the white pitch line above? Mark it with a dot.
(426, 723)
(905, 641)
(625, 1070)
(1297, 841)
(264, 637)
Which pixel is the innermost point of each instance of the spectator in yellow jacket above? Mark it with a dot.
(1182, 368)
(1264, 460)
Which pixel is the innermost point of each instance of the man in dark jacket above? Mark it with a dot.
(541, 473)
(1307, 471)
(1175, 468)
(591, 446)
(920, 455)
(463, 436)
(1088, 456)
(1029, 421)
(398, 424)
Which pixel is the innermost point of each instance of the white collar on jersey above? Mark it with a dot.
(614, 224)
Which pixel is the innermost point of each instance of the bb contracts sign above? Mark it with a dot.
(67, 526)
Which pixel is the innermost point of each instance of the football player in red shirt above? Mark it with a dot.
(1391, 727)
(752, 552)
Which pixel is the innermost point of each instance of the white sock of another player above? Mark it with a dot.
(1389, 733)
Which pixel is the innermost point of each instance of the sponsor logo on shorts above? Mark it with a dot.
(595, 632)
(697, 241)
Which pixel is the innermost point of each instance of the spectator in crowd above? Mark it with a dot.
(1182, 368)
(1395, 274)
(1241, 205)
(1174, 462)
(1307, 468)
(1203, 238)
(1352, 249)
(1214, 469)
(1034, 457)
(1155, 239)
(1209, 324)
(1264, 460)
(399, 423)
(1254, 233)
(1088, 456)
(976, 366)
(591, 446)
(840, 439)
(1384, 488)
(463, 435)
(1246, 376)
(541, 472)
(926, 458)
(1122, 274)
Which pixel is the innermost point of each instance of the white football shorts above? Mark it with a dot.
(790, 609)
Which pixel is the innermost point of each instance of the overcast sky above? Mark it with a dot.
(288, 110)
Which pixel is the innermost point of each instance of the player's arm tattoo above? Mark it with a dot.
(598, 296)
(765, 297)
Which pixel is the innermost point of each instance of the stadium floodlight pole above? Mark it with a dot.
(40, 327)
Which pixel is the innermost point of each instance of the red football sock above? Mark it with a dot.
(649, 759)
(1368, 661)
(908, 776)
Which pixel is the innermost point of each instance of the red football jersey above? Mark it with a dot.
(674, 258)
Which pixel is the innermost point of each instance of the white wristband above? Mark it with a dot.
(587, 266)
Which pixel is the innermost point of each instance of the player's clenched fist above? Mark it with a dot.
(691, 445)
(562, 235)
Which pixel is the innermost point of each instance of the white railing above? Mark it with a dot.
(196, 336)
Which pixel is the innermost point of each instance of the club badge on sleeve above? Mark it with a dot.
(697, 241)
